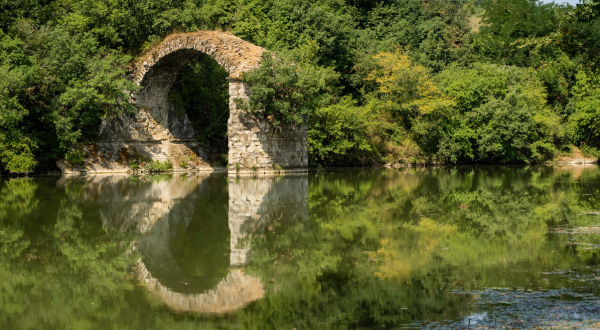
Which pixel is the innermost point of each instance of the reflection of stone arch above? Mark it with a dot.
(254, 204)
(154, 209)
(232, 293)
(158, 132)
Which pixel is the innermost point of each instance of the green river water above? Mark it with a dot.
(442, 248)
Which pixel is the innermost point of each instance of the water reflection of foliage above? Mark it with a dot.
(158, 177)
(202, 247)
(16, 202)
(380, 247)
(378, 242)
(61, 268)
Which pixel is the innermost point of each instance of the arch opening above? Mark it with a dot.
(199, 106)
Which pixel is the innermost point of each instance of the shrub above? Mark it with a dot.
(150, 165)
(75, 157)
(288, 87)
(500, 116)
(405, 88)
(158, 166)
(337, 134)
(506, 130)
(584, 123)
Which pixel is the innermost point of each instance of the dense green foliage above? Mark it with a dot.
(490, 81)
(150, 165)
(289, 88)
(350, 69)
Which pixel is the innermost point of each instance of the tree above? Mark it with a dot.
(584, 123)
(405, 88)
(288, 87)
(500, 116)
(18, 73)
(506, 22)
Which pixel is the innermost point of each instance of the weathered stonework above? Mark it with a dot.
(256, 146)
(158, 132)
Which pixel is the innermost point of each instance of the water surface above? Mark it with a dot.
(443, 247)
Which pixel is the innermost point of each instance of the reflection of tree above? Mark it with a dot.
(17, 200)
(379, 242)
(379, 247)
(202, 248)
(70, 269)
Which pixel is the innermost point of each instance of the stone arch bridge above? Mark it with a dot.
(157, 131)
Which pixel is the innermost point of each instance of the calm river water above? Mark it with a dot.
(451, 247)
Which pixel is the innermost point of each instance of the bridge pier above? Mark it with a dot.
(256, 145)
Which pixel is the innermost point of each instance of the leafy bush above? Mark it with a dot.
(405, 88)
(587, 151)
(75, 157)
(507, 131)
(584, 123)
(500, 116)
(158, 166)
(288, 87)
(150, 165)
(337, 134)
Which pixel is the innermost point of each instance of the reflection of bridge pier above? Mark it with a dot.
(159, 211)
(255, 203)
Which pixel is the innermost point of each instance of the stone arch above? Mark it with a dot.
(159, 68)
(154, 131)
(234, 54)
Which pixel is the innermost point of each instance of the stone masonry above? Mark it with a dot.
(255, 145)
(156, 131)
